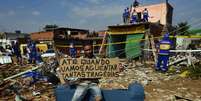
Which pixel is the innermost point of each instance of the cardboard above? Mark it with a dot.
(89, 68)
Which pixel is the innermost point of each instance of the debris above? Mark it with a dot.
(35, 93)
(19, 98)
(184, 74)
(179, 98)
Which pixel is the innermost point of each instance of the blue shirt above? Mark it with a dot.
(164, 47)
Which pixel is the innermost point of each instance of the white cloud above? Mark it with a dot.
(95, 1)
(63, 3)
(104, 11)
(1, 14)
(83, 21)
(11, 12)
(35, 13)
(6, 14)
(21, 7)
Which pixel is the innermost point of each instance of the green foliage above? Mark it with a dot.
(195, 70)
(195, 31)
(50, 27)
(181, 28)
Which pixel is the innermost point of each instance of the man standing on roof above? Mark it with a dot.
(134, 17)
(164, 52)
(135, 3)
(145, 15)
(126, 16)
(87, 84)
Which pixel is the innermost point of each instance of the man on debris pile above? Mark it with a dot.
(87, 84)
(17, 53)
(164, 52)
(31, 48)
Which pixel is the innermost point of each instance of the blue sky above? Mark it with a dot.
(32, 15)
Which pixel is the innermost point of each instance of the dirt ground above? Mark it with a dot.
(167, 90)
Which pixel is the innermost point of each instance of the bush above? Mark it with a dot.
(195, 70)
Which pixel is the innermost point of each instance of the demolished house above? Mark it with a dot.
(62, 37)
(127, 33)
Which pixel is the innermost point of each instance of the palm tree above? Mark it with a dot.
(50, 27)
(182, 28)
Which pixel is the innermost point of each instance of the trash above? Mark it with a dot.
(19, 98)
(181, 98)
(35, 93)
(184, 74)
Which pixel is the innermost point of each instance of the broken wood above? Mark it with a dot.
(19, 74)
(61, 78)
(103, 42)
(153, 47)
(177, 61)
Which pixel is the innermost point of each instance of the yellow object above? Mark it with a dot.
(172, 69)
(164, 46)
(126, 29)
(41, 47)
(184, 74)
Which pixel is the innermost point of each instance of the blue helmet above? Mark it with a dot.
(166, 36)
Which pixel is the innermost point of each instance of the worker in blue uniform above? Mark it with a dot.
(124, 16)
(134, 17)
(145, 15)
(34, 52)
(164, 52)
(72, 51)
(29, 49)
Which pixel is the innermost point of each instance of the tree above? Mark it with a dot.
(182, 28)
(50, 27)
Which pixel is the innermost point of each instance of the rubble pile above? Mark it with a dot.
(168, 87)
(158, 86)
(136, 73)
(42, 91)
(8, 70)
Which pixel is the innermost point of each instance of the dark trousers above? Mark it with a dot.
(134, 19)
(162, 60)
(145, 18)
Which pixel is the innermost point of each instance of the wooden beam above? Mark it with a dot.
(153, 47)
(103, 42)
(19, 74)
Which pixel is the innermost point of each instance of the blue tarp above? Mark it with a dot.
(135, 92)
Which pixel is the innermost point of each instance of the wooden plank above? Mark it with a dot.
(19, 74)
(89, 68)
(177, 61)
(153, 47)
(103, 42)
(58, 59)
